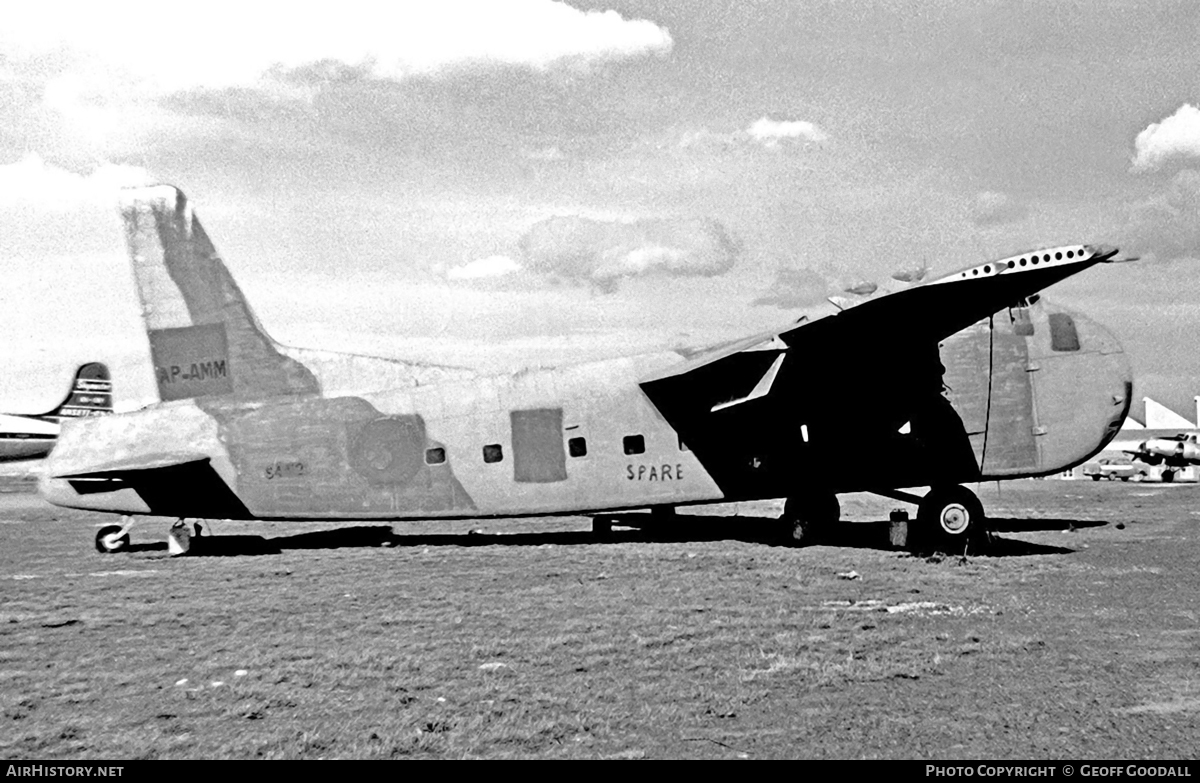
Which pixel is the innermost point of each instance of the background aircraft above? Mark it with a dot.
(30, 436)
(964, 378)
(1176, 451)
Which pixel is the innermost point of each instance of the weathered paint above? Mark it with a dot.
(851, 402)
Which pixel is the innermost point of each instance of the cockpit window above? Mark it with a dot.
(1063, 336)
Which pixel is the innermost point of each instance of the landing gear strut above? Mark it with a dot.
(809, 519)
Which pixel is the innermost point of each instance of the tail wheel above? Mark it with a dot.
(951, 515)
(109, 539)
(807, 520)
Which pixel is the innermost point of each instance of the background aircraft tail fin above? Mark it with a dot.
(205, 341)
(90, 395)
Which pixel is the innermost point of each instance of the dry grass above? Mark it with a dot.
(531, 639)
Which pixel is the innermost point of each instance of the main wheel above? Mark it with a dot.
(809, 519)
(109, 539)
(951, 515)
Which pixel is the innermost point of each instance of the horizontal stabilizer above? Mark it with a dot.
(175, 485)
(142, 463)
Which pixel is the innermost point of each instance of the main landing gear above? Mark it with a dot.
(949, 517)
(111, 539)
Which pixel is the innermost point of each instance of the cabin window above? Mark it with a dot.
(493, 453)
(435, 456)
(1063, 335)
(577, 447)
(635, 444)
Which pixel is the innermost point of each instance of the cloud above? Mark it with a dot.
(1167, 227)
(1177, 136)
(483, 268)
(152, 48)
(795, 288)
(771, 133)
(763, 132)
(33, 182)
(602, 253)
(990, 208)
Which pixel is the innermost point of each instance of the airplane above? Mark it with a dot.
(965, 378)
(1173, 451)
(32, 435)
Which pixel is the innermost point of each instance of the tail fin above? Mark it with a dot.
(90, 395)
(204, 339)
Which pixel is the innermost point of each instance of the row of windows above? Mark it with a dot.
(1033, 260)
(576, 447)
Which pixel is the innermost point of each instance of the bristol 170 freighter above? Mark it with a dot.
(965, 378)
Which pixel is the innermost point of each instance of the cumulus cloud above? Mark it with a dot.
(155, 48)
(602, 253)
(990, 208)
(33, 182)
(483, 268)
(763, 132)
(795, 288)
(1177, 136)
(1167, 227)
(771, 133)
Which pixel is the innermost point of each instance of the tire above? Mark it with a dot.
(951, 516)
(1168, 476)
(809, 520)
(108, 542)
(1095, 477)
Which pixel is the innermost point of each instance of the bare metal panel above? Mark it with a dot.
(987, 383)
(1010, 447)
(537, 437)
(1063, 335)
(965, 357)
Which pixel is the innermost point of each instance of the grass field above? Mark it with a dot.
(1076, 635)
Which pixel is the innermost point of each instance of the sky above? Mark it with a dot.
(502, 183)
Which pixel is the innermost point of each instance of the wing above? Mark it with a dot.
(928, 312)
(857, 378)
